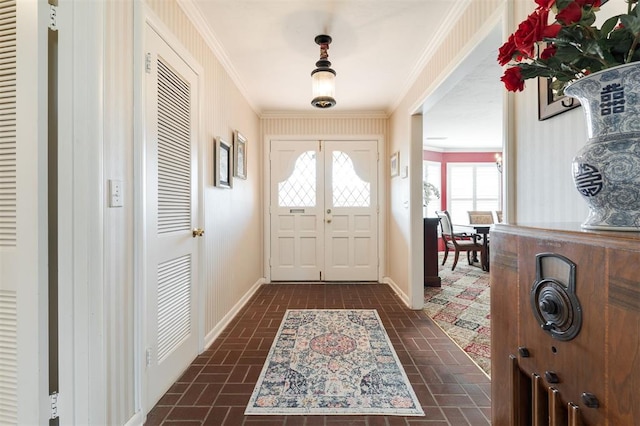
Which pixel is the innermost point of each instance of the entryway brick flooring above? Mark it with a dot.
(215, 389)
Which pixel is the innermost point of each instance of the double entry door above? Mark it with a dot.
(324, 210)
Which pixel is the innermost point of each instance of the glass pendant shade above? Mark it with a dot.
(323, 88)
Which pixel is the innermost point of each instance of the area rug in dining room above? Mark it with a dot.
(333, 362)
(461, 308)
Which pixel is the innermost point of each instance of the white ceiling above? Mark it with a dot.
(268, 48)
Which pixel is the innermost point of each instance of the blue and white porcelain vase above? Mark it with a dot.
(606, 170)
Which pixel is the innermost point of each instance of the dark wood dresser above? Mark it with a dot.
(565, 326)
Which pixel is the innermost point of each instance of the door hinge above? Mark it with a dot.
(147, 63)
(53, 17)
(53, 399)
(320, 275)
(148, 357)
(320, 146)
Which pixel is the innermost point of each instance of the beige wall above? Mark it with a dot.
(232, 255)
(405, 203)
(119, 223)
(544, 189)
(233, 223)
(233, 218)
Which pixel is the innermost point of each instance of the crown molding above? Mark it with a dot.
(194, 14)
(445, 28)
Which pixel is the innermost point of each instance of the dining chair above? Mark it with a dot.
(479, 217)
(497, 216)
(468, 243)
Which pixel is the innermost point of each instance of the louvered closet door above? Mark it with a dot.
(171, 190)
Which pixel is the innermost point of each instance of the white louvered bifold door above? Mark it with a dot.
(171, 190)
(23, 214)
(8, 307)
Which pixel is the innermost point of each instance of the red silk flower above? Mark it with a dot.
(513, 80)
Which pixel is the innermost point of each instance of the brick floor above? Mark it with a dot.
(216, 388)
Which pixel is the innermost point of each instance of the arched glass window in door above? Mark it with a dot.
(349, 190)
(299, 189)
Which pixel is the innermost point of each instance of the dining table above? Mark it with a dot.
(483, 230)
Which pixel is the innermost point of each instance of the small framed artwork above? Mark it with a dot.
(239, 155)
(395, 164)
(223, 163)
(549, 103)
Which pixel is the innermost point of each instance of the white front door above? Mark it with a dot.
(351, 211)
(171, 91)
(296, 211)
(324, 211)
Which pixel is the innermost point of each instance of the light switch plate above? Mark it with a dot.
(115, 193)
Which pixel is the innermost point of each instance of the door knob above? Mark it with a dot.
(328, 220)
(197, 232)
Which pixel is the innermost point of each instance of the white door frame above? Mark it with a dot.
(382, 195)
(143, 16)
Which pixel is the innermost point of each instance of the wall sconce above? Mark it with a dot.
(499, 162)
(323, 77)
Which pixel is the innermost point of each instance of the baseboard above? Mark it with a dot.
(137, 420)
(215, 332)
(401, 294)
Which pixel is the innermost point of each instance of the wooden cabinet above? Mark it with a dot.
(541, 376)
(430, 260)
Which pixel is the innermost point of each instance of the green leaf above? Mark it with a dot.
(609, 25)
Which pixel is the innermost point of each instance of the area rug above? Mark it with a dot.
(333, 362)
(461, 307)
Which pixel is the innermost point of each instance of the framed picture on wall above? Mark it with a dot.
(222, 163)
(549, 103)
(395, 164)
(239, 155)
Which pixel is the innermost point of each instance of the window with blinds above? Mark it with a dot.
(472, 186)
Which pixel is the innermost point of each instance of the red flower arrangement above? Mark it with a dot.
(570, 46)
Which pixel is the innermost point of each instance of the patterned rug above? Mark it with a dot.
(333, 362)
(461, 308)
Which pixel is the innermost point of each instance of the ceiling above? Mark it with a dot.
(379, 46)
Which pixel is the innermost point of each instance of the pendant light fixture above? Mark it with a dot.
(323, 77)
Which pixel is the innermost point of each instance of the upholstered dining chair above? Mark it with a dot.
(457, 242)
(478, 217)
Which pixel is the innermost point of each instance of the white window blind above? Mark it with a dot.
(472, 186)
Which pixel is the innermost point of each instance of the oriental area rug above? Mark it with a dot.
(333, 362)
(461, 308)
